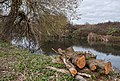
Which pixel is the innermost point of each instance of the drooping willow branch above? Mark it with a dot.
(3, 1)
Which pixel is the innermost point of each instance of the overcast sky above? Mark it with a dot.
(95, 11)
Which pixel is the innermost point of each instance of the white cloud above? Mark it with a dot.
(94, 11)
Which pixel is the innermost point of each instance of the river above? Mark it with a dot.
(105, 51)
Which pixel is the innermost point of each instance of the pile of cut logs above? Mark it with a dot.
(75, 61)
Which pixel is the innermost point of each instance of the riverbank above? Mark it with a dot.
(17, 64)
(107, 28)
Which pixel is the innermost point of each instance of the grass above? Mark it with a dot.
(21, 65)
(16, 65)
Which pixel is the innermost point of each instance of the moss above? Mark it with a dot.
(112, 31)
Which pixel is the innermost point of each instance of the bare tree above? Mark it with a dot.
(21, 16)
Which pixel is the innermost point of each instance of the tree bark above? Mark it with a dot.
(100, 64)
(69, 52)
(67, 63)
(9, 21)
(89, 55)
(69, 66)
(91, 64)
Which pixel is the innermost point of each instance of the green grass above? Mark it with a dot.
(21, 65)
(16, 64)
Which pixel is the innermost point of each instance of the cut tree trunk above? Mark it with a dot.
(89, 55)
(67, 63)
(69, 52)
(91, 64)
(103, 65)
(79, 60)
(106, 66)
(69, 66)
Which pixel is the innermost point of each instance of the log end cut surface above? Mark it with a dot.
(108, 67)
(93, 68)
(81, 62)
(73, 71)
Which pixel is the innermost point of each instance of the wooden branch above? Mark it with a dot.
(58, 70)
(54, 50)
(1, 2)
(67, 72)
(56, 59)
(84, 74)
(69, 66)
(61, 52)
(67, 63)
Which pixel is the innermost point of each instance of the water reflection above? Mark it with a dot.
(101, 55)
(63, 43)
(107, 48)
(105, 51)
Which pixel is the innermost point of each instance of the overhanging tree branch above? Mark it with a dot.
(1, 2)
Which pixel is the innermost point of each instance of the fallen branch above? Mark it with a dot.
(67, 63)
(84, 74)
(58, 70)
(69, 66)
(56, 59)
(67, 72)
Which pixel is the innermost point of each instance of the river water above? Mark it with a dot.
(105, 51)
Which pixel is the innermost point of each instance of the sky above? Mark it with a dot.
(97, 11)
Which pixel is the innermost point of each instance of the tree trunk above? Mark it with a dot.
(9, 21)
(79, 60)
(69, 52)
(103, 65)
(67, 63)
(69, 66)
(91, 64)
